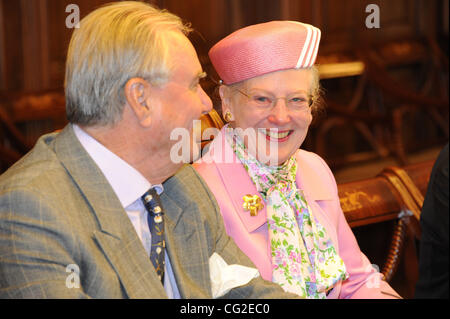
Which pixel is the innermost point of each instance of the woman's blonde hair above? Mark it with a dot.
(114, 43)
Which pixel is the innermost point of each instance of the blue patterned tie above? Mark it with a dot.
(156, 224)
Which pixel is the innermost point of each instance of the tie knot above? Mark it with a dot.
(151, 201)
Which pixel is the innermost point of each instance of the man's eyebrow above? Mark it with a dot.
(200, 75)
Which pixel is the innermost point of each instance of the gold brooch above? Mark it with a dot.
(252, 203)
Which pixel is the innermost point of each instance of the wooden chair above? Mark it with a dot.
(424, 95)
(389, 205)
(32, 106)
(411, 183)
(415, 178)
(382, 103)
(26, 116)
(13, 143)
(380, 220)
(208, 121)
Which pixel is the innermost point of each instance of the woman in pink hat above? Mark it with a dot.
(279, 203)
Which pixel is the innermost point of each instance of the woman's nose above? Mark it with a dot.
(279, 113)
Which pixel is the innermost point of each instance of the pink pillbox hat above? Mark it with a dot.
(263, 48)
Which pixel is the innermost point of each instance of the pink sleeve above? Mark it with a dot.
(364, 280)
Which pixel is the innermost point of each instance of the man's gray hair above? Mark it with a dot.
(115, 43)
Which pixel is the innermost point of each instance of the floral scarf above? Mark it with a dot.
(304, 259)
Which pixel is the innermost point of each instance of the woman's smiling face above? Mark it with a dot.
(277, 107)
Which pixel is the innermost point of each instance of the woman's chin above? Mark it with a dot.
(272, 160)
(284, 156)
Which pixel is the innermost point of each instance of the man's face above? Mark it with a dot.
(181, 100)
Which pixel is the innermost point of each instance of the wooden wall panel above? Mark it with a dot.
(303, 11)
(34, 38)
(58, 40)
(59, 35)
(35, 45)
(397, 18)
(11, 50)
(209, 25)
(339, 22)
(2, 48)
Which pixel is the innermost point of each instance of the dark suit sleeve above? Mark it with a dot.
(34, 257)
(433, 254)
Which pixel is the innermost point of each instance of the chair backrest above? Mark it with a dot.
(210, 122)
(21, 120)
(415, 177)
(369, 201)
(396, 196)
(379, 59)
(13, 143)
(26, 107)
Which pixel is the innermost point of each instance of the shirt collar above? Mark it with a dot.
(128, 184)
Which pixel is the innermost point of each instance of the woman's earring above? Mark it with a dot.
(228, 116)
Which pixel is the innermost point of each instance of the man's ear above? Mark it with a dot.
(137, 94)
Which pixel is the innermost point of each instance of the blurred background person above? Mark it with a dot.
(433, 254)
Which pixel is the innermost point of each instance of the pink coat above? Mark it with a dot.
(229, 182)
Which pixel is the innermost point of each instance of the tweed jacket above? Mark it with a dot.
(58, 213)
(229, 181)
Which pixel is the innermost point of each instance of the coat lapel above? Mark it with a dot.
(308, 179)
(236, 181)
(317, 189)
(116, 236)
(186, 240)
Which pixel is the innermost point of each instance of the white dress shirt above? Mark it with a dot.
(129, 185)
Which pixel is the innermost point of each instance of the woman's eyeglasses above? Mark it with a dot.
(264, 100)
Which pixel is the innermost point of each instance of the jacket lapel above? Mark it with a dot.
(237, 182)
(308, 179)
(317, 189)
(186, 239)
(116, 236)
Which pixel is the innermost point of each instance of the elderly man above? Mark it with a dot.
(81, 215)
